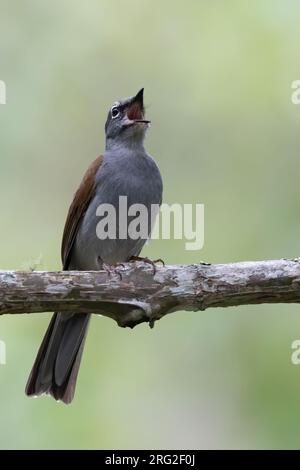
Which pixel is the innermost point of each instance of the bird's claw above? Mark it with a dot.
(148, 261)
(113, 269)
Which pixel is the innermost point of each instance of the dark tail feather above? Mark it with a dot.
(57, 363)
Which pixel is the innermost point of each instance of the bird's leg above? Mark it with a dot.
(113, 269)
(148, 261)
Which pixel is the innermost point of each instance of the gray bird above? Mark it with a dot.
(125, 169)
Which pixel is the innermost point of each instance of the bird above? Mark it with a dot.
(124, 169)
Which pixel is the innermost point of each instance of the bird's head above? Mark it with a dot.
(126, 123)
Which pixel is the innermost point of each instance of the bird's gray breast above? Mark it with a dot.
(137, 180)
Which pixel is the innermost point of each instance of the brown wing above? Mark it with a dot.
(77, 209)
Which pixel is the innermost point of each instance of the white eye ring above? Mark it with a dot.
(115, 112)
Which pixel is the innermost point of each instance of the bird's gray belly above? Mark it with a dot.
(90, 252)
(135, 176)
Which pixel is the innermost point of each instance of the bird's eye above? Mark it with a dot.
(115, 112)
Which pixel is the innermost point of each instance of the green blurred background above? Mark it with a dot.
(217, 78)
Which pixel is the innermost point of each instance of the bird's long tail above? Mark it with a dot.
(57, 363)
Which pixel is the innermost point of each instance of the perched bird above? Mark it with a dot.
(125, 169)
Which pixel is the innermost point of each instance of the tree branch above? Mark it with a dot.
(138, 295)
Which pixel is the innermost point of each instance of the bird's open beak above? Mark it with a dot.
(135, 110)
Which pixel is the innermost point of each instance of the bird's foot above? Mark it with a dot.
(148, 261)
(113, 269)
